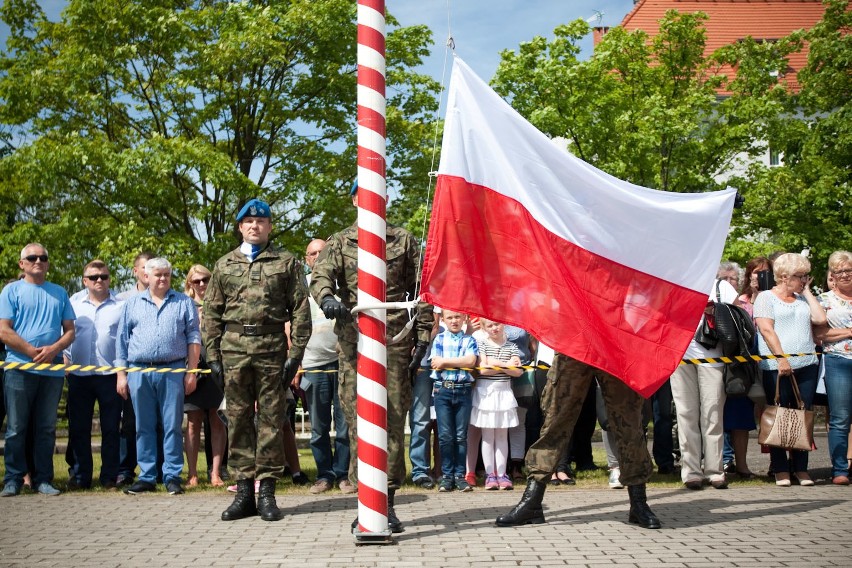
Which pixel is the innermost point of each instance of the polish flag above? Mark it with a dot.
(610, 273)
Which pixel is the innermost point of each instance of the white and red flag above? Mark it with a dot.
(613, 274)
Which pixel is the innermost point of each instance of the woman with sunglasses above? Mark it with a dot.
(205, 400)
(836, 337)
(785, 317)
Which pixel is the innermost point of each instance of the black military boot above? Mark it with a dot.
(640, 512)
(266, 506)
(243, 505)
(394, 524)
(528, 511)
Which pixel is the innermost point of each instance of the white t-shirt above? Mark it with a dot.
(728, 295)
(322, 346)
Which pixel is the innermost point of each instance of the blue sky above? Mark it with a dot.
(480, 28)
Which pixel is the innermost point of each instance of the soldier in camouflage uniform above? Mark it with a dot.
(567, 385)
(336, 272)
(255, 290)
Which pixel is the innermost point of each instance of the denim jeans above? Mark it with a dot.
(418, 419)
(452, 411)
(321, 394)
(37, 396)
(838, 389)
(158, 397)
(83, 391)
(806, 378)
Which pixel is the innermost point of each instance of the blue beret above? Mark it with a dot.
(354, 189)
(254, 208)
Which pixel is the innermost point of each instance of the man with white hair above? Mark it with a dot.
(159, 328)
(36, 324)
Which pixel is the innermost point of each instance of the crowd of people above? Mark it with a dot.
(268, 326)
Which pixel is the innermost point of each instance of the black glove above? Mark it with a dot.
(291, 367)
(217, 374)
(333, 309)
(419, 352)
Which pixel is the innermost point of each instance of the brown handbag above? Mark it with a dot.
(787, 428)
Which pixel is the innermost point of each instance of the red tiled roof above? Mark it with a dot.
(732, 20)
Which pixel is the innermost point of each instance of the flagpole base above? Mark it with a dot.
(364, 537)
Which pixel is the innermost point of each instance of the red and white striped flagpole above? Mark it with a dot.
(372, 272)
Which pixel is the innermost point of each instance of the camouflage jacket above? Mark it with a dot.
(269, 291)
(336, 273)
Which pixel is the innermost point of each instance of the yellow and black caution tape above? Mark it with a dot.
(727, 360)
(95, 368)
(742, 359)
(107, 369)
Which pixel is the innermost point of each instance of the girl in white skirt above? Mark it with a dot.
(494, 405)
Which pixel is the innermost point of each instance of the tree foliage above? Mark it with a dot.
(649, 111)
(147, 124)
(806, 202)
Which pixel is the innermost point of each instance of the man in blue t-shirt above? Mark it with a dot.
(36, 324)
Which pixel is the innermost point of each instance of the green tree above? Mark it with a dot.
(806, 201)
(643, 109)
(147, 124)
(660, 113)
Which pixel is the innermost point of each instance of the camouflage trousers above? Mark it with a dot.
(255, 437)
(561, 401)
(399, 401)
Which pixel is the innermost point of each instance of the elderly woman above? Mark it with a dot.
(785, 316)
(204, 400)
(836, 338)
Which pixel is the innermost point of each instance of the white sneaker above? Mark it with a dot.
(614, 474)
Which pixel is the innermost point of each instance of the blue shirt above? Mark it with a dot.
(147, 334)
(37, 312)
(96, 332)
(448, 344)
(792, 324)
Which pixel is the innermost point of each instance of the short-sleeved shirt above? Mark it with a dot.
(448, 344)
(37, 312)
(792, 326)
(96, 332)
(502, 353)
(839, 314)
(151, 334)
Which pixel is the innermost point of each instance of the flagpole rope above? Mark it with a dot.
(449, 49)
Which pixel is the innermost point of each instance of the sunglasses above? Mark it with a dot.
(204, 280)
(96, 277)
(35, 257)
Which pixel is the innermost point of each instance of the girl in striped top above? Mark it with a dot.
(494, 405)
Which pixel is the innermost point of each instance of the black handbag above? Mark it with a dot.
(706, 333)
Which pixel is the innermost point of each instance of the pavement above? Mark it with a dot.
(746, 525)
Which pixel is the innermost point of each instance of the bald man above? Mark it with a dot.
(319, 381)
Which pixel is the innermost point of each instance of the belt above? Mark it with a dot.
(252, 330)
(452, 384)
